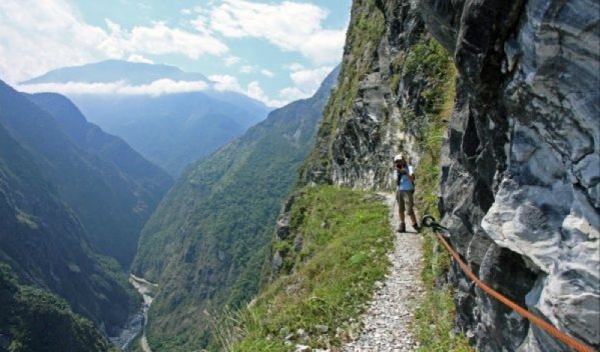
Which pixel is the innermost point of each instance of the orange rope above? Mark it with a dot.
(577, 345)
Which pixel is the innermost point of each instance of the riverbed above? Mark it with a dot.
(137, 322)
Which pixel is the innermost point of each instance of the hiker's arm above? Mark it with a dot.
(410, 173)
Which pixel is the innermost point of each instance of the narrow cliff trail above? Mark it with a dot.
(387, 322)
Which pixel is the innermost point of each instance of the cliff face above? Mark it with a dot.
(521, 158)
(521, 170)
(360, 132)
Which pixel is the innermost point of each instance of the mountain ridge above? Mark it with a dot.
(46, 246)
(171, 129)
(108, 71)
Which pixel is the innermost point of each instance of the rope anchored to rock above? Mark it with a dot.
(443, 233)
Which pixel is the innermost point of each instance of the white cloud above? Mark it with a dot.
(293, 93)
(280, 25)
(253, 90)
(310, 80)
(225, 82)
(139, 58)
(325, 46)
(201, 24)
(231, 60)
(156, 88)
(161, 39)
(247, 69)
(294, 66)
(267, 73)
(37, 37)
(306, 82)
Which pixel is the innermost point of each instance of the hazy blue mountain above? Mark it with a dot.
(205, 243)
(110, 203)
(170, 130)
(150, 181)
(109, 71)
(255, 107)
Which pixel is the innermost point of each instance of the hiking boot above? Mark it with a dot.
(417, 228)
(402, 227)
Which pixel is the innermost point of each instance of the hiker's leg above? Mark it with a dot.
(411, 209)
(401, 207)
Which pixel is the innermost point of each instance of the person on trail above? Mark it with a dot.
(405, 177)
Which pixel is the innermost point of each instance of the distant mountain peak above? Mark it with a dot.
(108, 71)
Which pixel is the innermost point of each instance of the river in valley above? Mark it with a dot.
(137, 322)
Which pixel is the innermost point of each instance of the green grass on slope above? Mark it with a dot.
(434, 319)
(345, 238)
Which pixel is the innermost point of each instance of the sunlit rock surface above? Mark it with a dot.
(522, 165)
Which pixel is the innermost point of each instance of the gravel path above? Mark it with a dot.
(386, 324)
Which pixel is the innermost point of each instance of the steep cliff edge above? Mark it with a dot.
(520, 164)
(366, 122)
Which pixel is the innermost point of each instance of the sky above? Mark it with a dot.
(272, 50)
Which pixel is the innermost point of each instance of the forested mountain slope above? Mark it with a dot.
(32, 319)
(46, 246)
(205, 244)
(150, 181)
(111, 204)
(72, 200)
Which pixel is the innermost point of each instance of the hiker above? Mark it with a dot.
(405, 191)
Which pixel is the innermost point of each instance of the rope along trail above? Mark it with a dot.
(390, 314)
(429, 221)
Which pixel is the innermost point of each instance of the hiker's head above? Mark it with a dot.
(399, 160)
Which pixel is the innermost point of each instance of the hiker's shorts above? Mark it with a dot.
(405, 201)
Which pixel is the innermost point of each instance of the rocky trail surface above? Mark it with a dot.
(387, 322)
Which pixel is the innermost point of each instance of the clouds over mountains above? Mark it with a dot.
(42, 35)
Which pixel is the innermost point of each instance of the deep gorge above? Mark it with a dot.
(496, 103)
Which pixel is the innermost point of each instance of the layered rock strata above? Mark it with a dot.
(521, 170)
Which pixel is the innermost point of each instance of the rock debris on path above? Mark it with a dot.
(387, 321)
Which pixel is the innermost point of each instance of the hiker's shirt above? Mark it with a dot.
(405, 184)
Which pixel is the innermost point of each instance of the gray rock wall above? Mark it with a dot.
(521, 165)
(366, 110)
